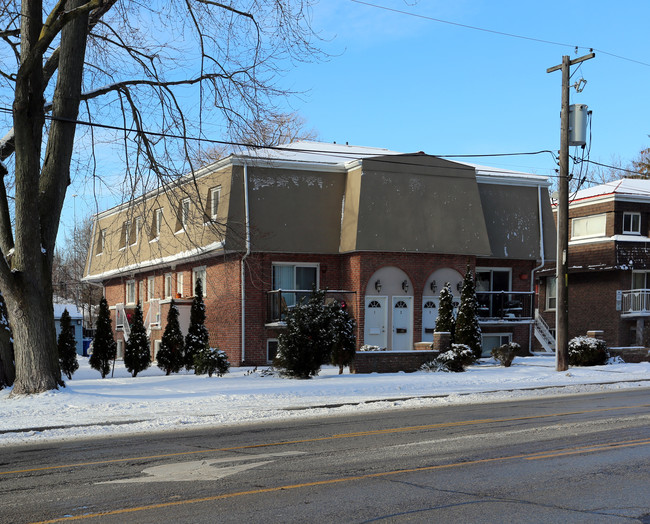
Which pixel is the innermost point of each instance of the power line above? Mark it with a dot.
(500, 33)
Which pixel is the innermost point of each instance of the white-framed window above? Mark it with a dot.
(631, 223)
(151, 288)
(215, 196)
(142, 291)
(168, 285)
(551, 293)
(157, 224)
(126, 234)
(179, 284)
(589, 226)
(138, 226)
(156, 348)
(198, 273)
(640, 279)
(271, 349)
(185, 212)
(290, 277)
(129, 292)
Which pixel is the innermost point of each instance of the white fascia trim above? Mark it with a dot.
(184, 256)
(297, 165)
(616, 238)
(514, 180)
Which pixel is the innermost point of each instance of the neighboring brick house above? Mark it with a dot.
(380, 230)
(608, 264)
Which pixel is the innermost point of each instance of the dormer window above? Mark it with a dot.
(631, 223)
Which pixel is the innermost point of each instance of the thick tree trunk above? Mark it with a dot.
(31, 315)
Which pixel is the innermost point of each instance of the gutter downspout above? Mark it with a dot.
(541, 252)
(243, 267)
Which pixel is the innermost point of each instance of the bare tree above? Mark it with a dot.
(152, 71)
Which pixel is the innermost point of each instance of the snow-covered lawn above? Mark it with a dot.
(154, 402)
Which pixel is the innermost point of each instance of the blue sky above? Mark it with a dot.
(409, 83)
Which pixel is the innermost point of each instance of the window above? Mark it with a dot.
(551, 293)
(198, 273)
(184, 213)
(126, 235)
(119, 349)
(156, 348)
(168, 285)
(136, 236)
(290, 277)
(157, 222)
(130, 292)
(142, 291)
(488, 279)
(631, 223)
(151, 283)
(640, 280)
(271, 349)
(101, 242)
(493, 340)
(215, 196)
(179, 284)
(586, 227)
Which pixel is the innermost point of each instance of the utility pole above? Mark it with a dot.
(562, 299)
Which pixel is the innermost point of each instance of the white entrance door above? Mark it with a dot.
(376, 318)
(402, 323)
(429, 316)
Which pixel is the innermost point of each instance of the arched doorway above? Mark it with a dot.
(389, 310)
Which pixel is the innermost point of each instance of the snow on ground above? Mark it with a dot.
(91, 406)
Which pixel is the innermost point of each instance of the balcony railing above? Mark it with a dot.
(279, 302)
(635, 302)
(505, 305)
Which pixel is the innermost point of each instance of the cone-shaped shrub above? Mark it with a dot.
(197, 337)
(104, 347)
(67, 346)
(468, 331)
(172, 346)
(137, 352)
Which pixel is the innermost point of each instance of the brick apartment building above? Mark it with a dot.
(379, 230)
(608, 264)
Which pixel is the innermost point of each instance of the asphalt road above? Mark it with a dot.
(582, 458)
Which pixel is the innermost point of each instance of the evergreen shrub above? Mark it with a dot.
(455, 360)
(104, 347)
(211, 360)
(67, 346)
(587, 351)
(172, 346)
(137, 350)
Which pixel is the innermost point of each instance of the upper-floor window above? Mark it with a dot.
(126, 234)
(179, 284)
(551, 293)
(142, 291)
(295, 277)
(198, 273)
(101, 242)
(168, 285)
(640, 279)
(493, 279)
(631, 223)
(151, 287)
(157, 223)
(589, 226)
(130, 292)
(136, 233)
(215, 196)
(185, 212)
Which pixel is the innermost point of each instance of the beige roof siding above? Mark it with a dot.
(418, 203)
(350, 219)
(173, 238)
(295, 211)
(512, 220)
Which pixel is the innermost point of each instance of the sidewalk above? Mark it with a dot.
(90, 406)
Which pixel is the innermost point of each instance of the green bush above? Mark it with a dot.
(455, 360)
(211, 360)
(587, 351)
(505, 353)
